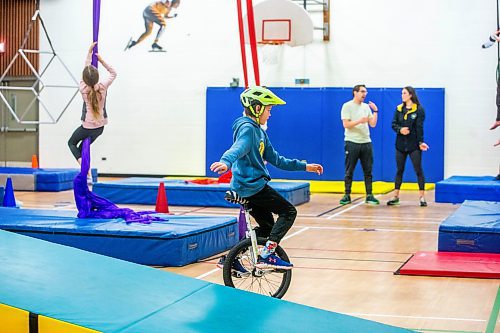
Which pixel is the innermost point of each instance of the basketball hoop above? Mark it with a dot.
(271, 51)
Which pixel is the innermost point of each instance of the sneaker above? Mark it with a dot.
(346, 199)
(221, 261)
(237, 266)
(371, 200)
(393, 202)
(273, 261)
(423, 203)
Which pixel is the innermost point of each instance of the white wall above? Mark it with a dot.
(157, 104)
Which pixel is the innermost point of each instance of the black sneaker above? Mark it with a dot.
(371, 200)
(423, 203)
(346, 199)
(393, 202)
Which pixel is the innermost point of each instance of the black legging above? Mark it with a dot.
(263, 204)
(416, 159)
(75, 142)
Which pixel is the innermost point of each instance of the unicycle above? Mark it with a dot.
(240, 271)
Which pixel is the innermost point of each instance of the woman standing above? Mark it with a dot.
(408, 123)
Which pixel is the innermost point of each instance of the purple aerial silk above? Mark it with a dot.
(91, 205)
(95, 30)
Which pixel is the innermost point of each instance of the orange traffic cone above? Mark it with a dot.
(161, 200)
(34, 162)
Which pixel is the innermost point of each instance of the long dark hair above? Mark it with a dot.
(90, 76)
(413, 93)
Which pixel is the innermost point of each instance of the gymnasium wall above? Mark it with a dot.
(309, 128)
(157, 105)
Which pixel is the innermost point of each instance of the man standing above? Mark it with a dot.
(356, 116)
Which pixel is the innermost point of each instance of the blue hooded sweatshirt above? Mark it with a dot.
(251, 147)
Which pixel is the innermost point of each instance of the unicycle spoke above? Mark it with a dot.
(240, 272)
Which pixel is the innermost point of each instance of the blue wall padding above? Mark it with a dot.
(177, 241)
(2, 191)
(144, 191)
(474, 227)
(48, 179)
(309, 128)
(456, 189)
(109, 295)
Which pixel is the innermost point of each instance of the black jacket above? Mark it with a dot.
(414, 120)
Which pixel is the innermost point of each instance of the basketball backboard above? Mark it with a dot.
(281, 22)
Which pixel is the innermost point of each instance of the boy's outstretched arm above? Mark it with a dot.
(218, 167)
(313, 167)
(240, 148)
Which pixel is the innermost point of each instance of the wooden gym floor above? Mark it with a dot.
(345, 257)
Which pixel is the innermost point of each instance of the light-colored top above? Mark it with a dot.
(353, 111)
(90, 121)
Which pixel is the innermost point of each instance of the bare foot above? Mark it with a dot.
(495, 125)
(497, 143)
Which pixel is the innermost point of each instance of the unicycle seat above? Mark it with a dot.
(233, 197)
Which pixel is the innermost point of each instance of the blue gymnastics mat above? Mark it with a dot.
(66, 285)
(176, 241)
(43, 180)
(473, 227)
(456, 189)
(138, 190)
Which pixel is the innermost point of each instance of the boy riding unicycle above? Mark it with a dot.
(246, 158)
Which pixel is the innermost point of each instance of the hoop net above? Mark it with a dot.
(271, 52)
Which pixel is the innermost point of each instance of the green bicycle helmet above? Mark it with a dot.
(259, 96)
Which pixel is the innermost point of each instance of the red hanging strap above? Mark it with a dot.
(242, 43)
(253, 42)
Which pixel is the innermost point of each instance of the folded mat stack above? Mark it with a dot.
(43, 180)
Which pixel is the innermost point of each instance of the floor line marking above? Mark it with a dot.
(199, 277)
(492, 322)
(414, 317)
(345, 210)
(296, 233)
(365, 229)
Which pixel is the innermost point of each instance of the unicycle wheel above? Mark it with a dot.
(239, 271)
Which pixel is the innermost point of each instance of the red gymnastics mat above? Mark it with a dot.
(453, 264)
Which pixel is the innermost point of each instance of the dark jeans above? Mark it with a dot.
(263, 204)
(75, 142)
(416, 160)
(353, 153)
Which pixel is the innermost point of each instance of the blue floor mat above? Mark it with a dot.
(176, 241)
(144, 191)
(110, 295)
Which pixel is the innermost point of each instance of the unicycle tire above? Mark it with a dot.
(273, 282)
